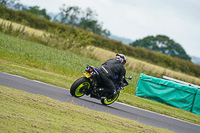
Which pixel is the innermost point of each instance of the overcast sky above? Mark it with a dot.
(136, 19)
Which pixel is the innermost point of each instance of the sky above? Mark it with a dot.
(136, 19)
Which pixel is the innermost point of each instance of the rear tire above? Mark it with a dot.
(77, 88)
(107, 101)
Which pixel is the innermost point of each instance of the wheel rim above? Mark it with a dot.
(109, 101)
(78, 93)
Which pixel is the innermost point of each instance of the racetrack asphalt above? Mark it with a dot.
(118, 109)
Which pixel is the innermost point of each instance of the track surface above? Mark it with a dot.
(118, 109)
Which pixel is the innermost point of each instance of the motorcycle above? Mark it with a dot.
(91, 85)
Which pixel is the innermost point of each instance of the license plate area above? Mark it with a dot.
(87, 75)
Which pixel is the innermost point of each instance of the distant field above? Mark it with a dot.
(144, 67)
(26, 28)
(62, 68)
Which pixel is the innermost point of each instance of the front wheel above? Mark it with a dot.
(108, 101)
(79, 86)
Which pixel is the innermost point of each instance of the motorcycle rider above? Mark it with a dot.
(111, 68)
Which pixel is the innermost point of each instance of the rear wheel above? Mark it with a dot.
(79, 86)
(108, 101)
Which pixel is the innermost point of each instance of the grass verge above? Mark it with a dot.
(24, 112)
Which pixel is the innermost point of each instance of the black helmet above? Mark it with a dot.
(121, 57)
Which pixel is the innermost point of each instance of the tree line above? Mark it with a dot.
(73, 16)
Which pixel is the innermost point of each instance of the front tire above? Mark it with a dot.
(107, 101)
(78, 87)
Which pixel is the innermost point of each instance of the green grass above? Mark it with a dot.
(36, 74)
(40, 56)
(24, 112)
(62, 68)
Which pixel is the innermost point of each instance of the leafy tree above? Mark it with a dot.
(89, 22)
(12, 4)
(18, 6)
(7, 2)
(76, 17)
(162, 44)
(3, 2)
(36, 10)
(69, 15)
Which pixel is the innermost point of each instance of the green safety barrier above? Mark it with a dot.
(196, 105)
(169, 92)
